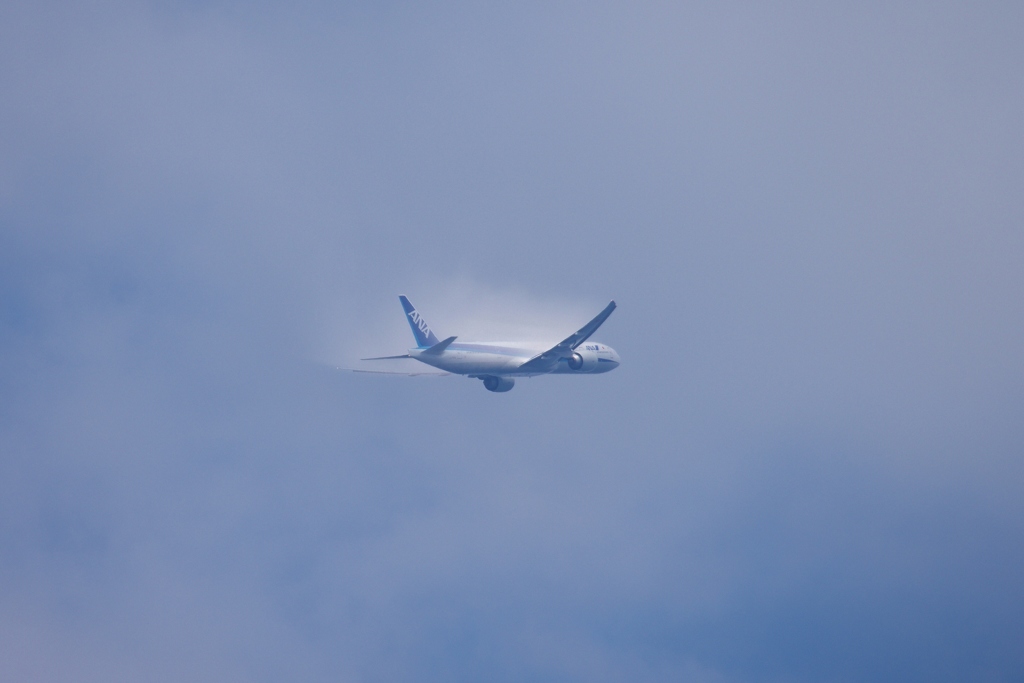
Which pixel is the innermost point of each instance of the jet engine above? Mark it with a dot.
(499, 384)
(582, 361)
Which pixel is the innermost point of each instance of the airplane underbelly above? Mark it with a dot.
(483, 363)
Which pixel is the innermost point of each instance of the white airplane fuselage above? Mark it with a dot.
(504, 359)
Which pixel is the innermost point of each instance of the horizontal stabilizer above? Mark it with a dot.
(438, 348)
(387, 357)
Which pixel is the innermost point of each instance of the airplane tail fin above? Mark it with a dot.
(424, 337)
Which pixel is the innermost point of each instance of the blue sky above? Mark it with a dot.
(808, 467)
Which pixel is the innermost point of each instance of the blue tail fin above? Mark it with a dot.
(424, 337)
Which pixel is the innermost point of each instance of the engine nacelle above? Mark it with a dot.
(498, 384)
(583, 360)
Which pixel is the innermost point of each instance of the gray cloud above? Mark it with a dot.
(807, 468)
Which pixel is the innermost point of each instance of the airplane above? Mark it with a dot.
(499, 363)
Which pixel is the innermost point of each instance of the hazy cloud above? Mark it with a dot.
(807, 468)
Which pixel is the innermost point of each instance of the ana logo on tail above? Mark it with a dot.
(420, 329)
(420, 322)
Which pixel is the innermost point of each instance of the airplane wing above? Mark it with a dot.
(543, 362)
